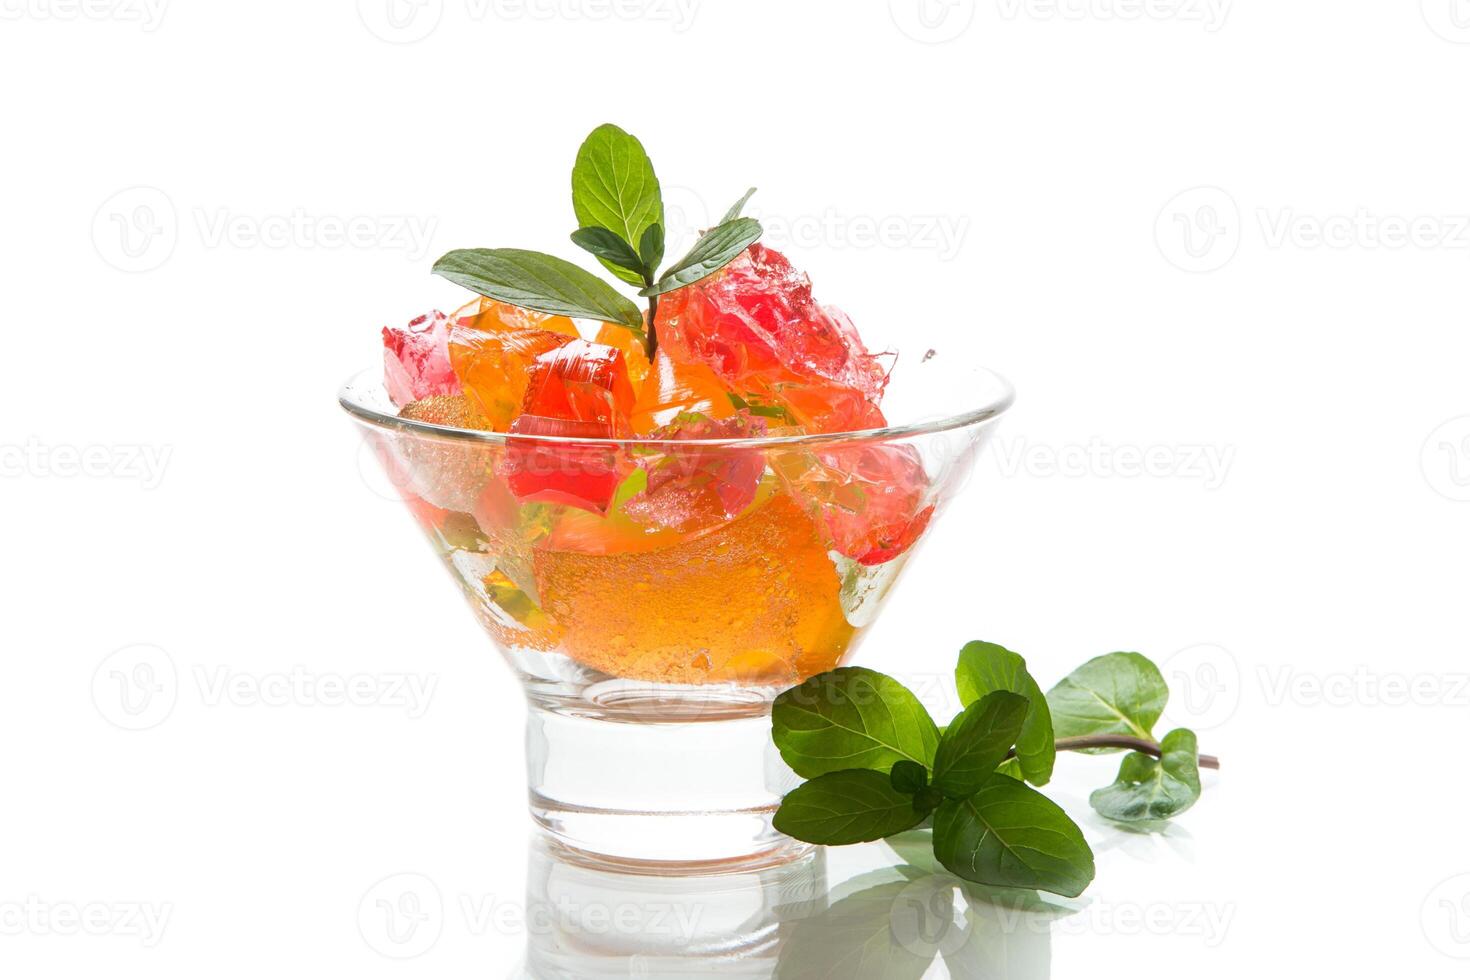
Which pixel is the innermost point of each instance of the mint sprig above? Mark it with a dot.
(877, 765)
(619, 207)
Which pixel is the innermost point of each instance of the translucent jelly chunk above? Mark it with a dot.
(674, 388)
(871, 499)
(693, 487)
(757, 326)
(447, 473)
(416, 360)
(582, 382)
(754, 601)
(583, 475)
(492, 347)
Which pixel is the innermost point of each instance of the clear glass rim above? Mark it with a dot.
(1000, 399)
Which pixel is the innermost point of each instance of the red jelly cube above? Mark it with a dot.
(577, 474)
(582, 382)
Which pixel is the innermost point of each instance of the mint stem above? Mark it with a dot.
(650, 344)
(1078, 742)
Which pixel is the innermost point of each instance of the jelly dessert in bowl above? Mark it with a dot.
(663, 520)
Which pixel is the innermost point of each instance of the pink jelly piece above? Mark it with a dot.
(871, 499)
(583, 475)
(758, 327)
(694, 487)
(416, 360)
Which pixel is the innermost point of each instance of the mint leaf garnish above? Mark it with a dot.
(846, 807)
(737, 207)
(614, 187)
(1154, 789)
(986, 667)
(877, 760)
(537, 282)
(851, 718)
(976, 743)
(909, 777)
(1011, 836)
(651, 250)
(716, 249)
(1116, 694)
(606, 245)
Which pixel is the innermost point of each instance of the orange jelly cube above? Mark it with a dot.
(627, 341)
(492, 348)
(675, 387)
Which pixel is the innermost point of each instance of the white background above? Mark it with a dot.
(1228, 239)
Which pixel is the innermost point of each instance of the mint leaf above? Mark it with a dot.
(851, 718)
(909, 777)
(1011, 767)
(853, 938)
(976, 742)
(614, 187)
(1010, 836)
(610, 248)
(651, 249)
(846, 807)
(986, 667)
(715, 249)
(1115, 694)
(537, 282)
(737, 207)
(1154, 789)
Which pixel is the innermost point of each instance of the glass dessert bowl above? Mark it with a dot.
(661, 545)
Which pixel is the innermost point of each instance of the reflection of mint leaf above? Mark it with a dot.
(1011, 836)
(846, 807)
(1154, 789)
(606, 245)
(715, 249)
(987, 667)
(537, 282)
(851, 718)
(1116, 694)
(614, 187)
(976, 742)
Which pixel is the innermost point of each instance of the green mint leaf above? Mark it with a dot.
(737, 207)
(1116, 694)
(538, 282)
(610, 248)
(851, 718)
(1154, 789)
(987, 667)
(976, 742)
(651, 249)
(715, 249)
(908, 776)
(1010, 836)
(1011, 767)
(614, 187)
(846, 807)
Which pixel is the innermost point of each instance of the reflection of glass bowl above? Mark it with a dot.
(654, 596)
